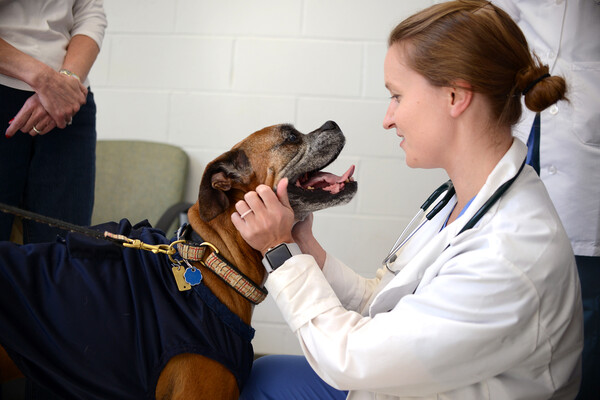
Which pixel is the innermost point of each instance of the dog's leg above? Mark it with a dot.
(193, 377)
(8, 369)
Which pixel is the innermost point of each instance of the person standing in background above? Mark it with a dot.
(48, 149)
(565, 34)
(47, 152)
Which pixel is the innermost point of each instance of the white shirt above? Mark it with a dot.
(565, 34)
(43, 29)
(496, 315)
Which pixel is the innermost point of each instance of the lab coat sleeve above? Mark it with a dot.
(294, 278)
(449, 335)
(352, 289)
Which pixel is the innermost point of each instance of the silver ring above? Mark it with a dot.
(36, 130)
(246, 213)
(70, 121)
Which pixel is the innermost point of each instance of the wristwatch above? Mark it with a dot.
(276, 256)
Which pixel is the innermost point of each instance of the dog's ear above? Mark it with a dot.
(230, 170)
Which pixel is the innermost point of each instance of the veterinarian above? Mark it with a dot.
(483, 300)
(571, 133)
(47, 49)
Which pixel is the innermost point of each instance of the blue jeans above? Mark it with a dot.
(278, 377)
(589, 275)
(52, 175)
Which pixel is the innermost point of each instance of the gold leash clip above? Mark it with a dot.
(168, 249)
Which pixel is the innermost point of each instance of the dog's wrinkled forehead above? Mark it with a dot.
(270, 138)
(272, 147)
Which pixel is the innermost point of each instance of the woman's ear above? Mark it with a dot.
(461, 95)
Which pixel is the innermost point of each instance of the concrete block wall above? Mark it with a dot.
(204, 74)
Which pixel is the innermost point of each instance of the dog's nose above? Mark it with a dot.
(329, 126)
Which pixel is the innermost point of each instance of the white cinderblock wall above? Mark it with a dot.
(204, 74)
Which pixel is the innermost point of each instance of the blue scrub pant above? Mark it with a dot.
(589, 275)
(277, 377)
(52, 175)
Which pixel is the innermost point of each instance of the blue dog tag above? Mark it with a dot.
(193, 276)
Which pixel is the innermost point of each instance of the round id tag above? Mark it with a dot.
(192, 275)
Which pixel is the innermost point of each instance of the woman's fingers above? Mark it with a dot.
(262, 219)
(32, 118)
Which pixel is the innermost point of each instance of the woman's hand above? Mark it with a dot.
(32, 119)
(270, 220)
(61, 95)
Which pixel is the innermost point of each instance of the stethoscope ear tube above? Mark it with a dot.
(436, 193)
(438, 207)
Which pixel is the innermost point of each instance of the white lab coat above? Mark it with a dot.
(497, 315)
(565, 34)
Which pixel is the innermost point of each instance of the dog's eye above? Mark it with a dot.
(291, 137)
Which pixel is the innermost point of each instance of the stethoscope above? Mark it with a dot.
(419, 221)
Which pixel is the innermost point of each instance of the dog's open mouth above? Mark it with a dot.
(310, 188)
(320, 180)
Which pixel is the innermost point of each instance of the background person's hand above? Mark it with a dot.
(32, 114)
(61, 95)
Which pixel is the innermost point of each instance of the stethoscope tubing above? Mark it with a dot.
(448, 187)
(404, 237)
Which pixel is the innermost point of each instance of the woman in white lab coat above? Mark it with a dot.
(493, 312)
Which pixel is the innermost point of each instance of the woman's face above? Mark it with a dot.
(416, 111)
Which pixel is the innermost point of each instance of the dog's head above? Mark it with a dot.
(267, 156)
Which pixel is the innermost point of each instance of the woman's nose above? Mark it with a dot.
(388, 119)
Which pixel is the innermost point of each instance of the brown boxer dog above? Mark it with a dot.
(264, 157)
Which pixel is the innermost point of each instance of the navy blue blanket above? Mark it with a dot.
(90, 320)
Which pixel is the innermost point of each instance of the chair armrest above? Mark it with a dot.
(170, 214)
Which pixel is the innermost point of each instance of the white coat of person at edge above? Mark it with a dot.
(483, 301)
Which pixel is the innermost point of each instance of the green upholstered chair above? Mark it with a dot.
(140, 180)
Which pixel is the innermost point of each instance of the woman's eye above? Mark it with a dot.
(395, 97)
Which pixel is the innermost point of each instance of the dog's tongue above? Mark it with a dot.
(329, 182)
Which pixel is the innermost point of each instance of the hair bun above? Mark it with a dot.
(532, 84)
(539, 88)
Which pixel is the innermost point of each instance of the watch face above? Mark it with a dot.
(278, 256)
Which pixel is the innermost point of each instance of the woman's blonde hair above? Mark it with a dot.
(477, 42)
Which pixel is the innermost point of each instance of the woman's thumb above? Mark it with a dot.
(282, 193)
